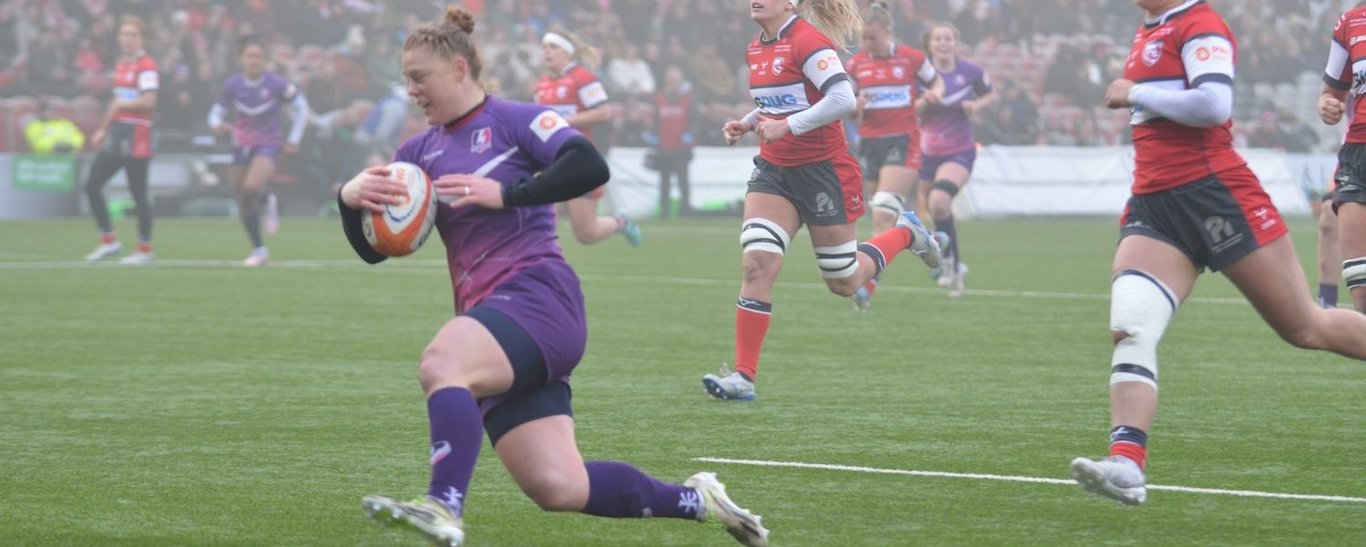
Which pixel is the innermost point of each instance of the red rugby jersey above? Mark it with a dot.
(131, 79)
(890, 82)
(1186, 47)
(787, 75)
(1346, 70)
(575, 90)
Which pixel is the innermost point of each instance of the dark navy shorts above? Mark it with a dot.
(242, 155)
(1215, 220)
(1351, 175)
(898, 150)
(930, 165)
(537, 317)
(825, 193)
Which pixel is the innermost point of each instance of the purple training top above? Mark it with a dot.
(256, 107)
(945, 128)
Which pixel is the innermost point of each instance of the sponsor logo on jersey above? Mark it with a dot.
(1152, 52)
(776, 101)
(546, 124)
(481, 140)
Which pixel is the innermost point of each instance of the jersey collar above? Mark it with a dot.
(466, 117)
(781, 31)
(568, 67)
(1178, 10)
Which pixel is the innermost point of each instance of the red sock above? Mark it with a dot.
(107, 238)
(144, 247)
(889, 243)
(1135, 452)
(870, 287)
(751, 325)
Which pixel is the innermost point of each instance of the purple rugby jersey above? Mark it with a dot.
(256, 108)
(945, 128)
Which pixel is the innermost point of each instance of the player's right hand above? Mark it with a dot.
(97, 139)
(1331, 109)
(222, 129)
(372, 190)
(735, 130)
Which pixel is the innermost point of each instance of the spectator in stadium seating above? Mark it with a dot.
(630, 74)
(502, 364)
(124, 140)
(47, 133)
(50, 64)
(571, 89)
(804, 174)
(1193, 207)
(1013, 120)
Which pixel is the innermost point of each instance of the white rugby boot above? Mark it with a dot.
(257, 258)
(717, 507)
(105, 251)
(423, 515)
(923, 244)
(729, 385)
(958, 283)
(138, 258)
(1115, 477)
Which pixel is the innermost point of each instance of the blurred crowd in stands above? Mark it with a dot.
(1049, 59)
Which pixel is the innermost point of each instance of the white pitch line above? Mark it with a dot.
(425, 266)
(1018, 478)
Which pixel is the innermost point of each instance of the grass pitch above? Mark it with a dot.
(195, 402)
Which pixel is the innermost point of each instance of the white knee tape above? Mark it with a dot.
(761, 234)
(888, 202)
(1354, 272)
(839, 261)
(1141, 306)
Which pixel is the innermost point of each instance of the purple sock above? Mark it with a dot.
(457, 434)
(947, 227)
(618, 490)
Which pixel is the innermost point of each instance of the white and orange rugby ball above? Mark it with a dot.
(402, 228)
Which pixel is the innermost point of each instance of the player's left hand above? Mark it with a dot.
(291, 149)
(1117, 95)
(470, 190)
(772, 130)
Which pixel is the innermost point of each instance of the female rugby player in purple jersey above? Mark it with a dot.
(946, 139)
(502, 365)
(255, 97)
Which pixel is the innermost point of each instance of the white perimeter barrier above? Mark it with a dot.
(1006, 180)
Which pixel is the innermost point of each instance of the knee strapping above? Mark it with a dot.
(1141, 306)
(761, 234)
(946, 186)
(1354, 272)
(888, 202)
(838, 261)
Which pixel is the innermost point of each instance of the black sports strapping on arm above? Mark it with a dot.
(355, 233)
(578, 169)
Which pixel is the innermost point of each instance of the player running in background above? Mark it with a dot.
(1329, 261)
(888, 76)
(502, 365)
(946, 138)
(255, 98)
(572, 90)
(1342, 79)
(124, 140)
(804, 173)
(1193, 207)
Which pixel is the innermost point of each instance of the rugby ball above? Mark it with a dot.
(402, 228)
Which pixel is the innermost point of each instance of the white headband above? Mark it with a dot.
(558, 41)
